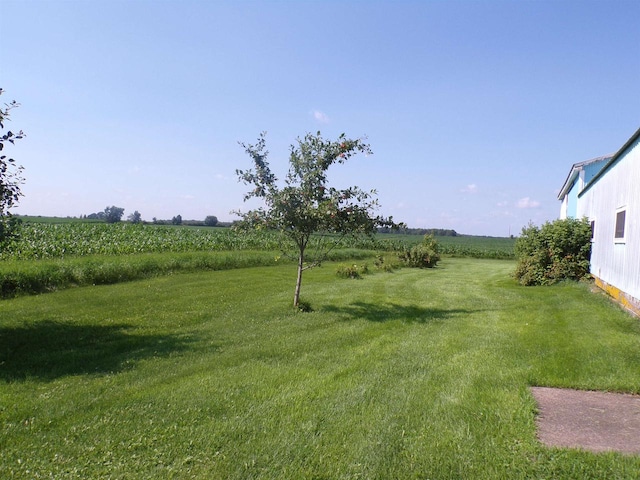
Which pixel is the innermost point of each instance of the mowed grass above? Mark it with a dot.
(419, 374)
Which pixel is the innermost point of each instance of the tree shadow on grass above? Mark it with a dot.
(48, 350)
(387, 312)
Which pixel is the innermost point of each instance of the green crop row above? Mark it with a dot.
(47, 241)
(52, 241)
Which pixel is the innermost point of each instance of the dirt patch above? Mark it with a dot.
(593, 421)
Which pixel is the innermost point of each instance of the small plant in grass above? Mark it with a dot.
(352, 271)
(304, 306)
(423, 255)
(384, 264)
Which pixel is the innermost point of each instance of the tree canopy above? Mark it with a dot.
(305, 205)
(135, 217)
(113, 214)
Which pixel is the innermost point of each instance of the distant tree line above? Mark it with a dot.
(209, 221)
(436, 232)
(114, 214)
(110, 214)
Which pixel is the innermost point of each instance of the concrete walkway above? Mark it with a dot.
(593, 421)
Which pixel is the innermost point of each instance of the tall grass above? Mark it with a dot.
(404, 375)
(458, 246)
(19, 277)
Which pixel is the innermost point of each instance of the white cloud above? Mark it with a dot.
(471, 188)
(320, 116)
(526, 202)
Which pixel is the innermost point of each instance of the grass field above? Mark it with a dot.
(52, 254)
(419, 374)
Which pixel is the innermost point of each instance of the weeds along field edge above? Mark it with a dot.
(27, 277)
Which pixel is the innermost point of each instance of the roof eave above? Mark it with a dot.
(613, 160)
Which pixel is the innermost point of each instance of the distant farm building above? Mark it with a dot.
(606, 190)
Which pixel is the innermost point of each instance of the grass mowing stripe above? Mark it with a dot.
(411, 374)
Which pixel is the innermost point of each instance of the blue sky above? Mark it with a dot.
(475, 110)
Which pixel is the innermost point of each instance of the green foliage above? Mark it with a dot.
(454, 246)
(9, 231)
(304, 306)
(113, 214)
(306, 205)
(135, 217)
(211, 221)
(558, 250)
(10, 178)
(352, 271)
(423, 255)
(436, 232)
(20, 278)
(47, 240)
(61, 237)
(386, 264)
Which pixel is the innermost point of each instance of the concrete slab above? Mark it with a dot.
(593, 421)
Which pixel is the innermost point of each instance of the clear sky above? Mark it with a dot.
(475, 110)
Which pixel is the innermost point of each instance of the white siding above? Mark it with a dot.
(563, 207)
(615, 262)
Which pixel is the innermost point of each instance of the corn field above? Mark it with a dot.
(53, 241)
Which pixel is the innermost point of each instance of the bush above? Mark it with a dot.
(423, 255)
(352, 271)
(558, 250)
(384, 264)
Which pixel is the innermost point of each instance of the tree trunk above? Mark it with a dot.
(296, 296)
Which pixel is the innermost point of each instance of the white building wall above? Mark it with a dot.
(612, 260)
(563, 207)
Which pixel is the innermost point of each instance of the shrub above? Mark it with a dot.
(352, 271)
(558, 250)
(384, 264)
(422, 255)
(304, 306)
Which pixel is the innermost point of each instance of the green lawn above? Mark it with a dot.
(419, 374)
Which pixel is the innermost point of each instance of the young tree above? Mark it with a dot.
(10, 176)
(305, 205)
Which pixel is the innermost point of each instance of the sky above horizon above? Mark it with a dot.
(475, 110)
